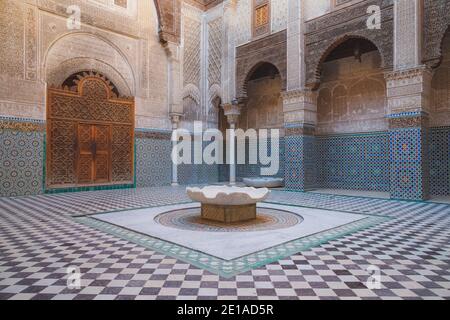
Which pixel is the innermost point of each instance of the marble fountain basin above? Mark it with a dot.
(228, 204)
(264, 182)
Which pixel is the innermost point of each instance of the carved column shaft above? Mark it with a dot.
(232, 112)
(175, 119)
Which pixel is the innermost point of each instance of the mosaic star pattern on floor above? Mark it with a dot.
(40, 239)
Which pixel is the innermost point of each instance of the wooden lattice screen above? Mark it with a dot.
(90, 135)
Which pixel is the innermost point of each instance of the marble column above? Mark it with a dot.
(175, 119)
(232, 112)
(300, 142)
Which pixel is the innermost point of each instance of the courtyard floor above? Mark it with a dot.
(42, 236)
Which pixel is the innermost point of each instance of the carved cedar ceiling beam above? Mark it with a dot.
(169, 15)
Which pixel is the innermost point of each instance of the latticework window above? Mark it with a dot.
(261, 17)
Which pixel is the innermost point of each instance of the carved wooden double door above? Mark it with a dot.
(90, 135)
(94, 153)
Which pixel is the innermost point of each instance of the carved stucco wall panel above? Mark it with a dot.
(327, 32)
(440, 89)
(215, 47)
(30, 29)
(93, 14)
(80, 46)
(12, 33)
(436, 23)
(271, 49)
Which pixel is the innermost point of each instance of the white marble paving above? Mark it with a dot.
(229, 245)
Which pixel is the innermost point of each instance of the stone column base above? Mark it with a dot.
(229, 214)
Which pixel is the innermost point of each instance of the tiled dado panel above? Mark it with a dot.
(358, 162)
(198, 173)
(254, 170)
(409, 164)
(21, 157)
(300, 162)
(153, 158)
(440, 161)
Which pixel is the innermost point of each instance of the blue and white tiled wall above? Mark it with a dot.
(440, 161)
(409, 157)
(153, 152)
(342, 161)
(189, 174)
(254, 170)
(21, 157)
(300, 162)
(357, 161)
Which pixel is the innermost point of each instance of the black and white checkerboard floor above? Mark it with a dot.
(39, 240)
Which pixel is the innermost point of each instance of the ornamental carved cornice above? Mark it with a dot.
(154, 135)
(298, 96)
(23, 126)
(421, 121)
(409, 75)
(300, 130)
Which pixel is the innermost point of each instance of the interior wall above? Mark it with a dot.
(263, 110)
(440, 123)
(353, 143)
(38, 48)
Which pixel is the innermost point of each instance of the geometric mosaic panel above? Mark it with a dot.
(189, 174)
(254, 170)
(358, 162)
(409, 164)
(153, 165)
(300, 162)
(21, 162)
(440, 161)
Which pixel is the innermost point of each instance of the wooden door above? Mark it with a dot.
(87, 125)
(102, 167)
(94, 153)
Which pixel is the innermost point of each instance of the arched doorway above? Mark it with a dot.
(353, 142)
(90, 134)
(263, 110)
(440, 123)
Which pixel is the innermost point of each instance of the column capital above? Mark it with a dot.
(232, 112)
(300, 106)
(172, 50)
(408, 90)
(175, 118)
(298, 95)
(411, 74)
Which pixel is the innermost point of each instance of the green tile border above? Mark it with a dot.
(231, 268)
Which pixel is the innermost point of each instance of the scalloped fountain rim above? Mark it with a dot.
(228, 196)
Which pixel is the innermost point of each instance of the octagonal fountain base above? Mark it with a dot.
(228, 204)
(229, 214)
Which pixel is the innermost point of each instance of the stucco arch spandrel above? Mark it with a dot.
(242, 86)
(83, 47)
(72, 66)
(437, 22)
(192, 91)
(314, 68)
